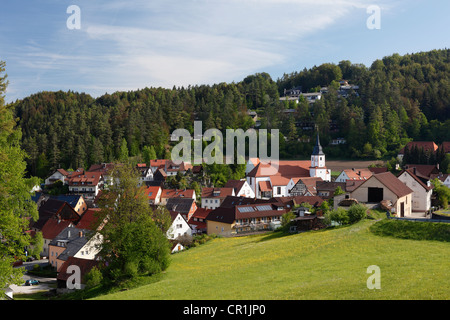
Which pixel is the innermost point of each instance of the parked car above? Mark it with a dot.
(31, 282)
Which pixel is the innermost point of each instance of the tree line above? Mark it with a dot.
(400, 98)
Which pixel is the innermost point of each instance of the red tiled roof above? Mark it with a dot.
(158, 162)
(152, 192)
(177, 193)
(89, 219)
(446, 146)
(222, 192)
(287, 169)
(265, 186)
(85, 266)
(201, 213)
(53, 227)
(358, 174)
(426, 145)
(91, 178)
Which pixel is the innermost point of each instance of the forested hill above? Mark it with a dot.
(401, 98)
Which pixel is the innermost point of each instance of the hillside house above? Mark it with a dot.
(153, 194)
(354, 174)
(85, 266)
(241, 188)
(421, 199)
(427, 146)
(198, 220)
(73, 242)
(87, 184)
(58, 175)
(76, 201)
(145, 173)
(184, 206)
(445, 179)
(179, 227)
(305, 187)
(243, 218)
(167, 194)
(212, 197)
(385, 186)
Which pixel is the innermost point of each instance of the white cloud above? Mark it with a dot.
(124, 46)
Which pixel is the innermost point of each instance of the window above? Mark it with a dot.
(278, 190)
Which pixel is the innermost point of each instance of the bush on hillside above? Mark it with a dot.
(356, 212)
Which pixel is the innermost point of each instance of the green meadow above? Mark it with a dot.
(325, 264)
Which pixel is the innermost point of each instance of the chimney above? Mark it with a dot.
(80, 234)
(68, 234)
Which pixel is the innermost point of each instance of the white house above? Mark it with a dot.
(279, 186)
(179, 227)
(146, 173)
(241, 188)
(354, 174)
(445, 180)
(58, 175)
(212, 197)
(421, 198)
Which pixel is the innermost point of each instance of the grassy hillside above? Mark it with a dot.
(330, 264)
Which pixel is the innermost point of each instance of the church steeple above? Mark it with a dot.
(318, 168)
(317, 148)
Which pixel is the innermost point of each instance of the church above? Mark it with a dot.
(267, 181)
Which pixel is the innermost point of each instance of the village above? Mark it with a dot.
(251, 205)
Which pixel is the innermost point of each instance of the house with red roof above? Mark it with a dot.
(84, 265)
(88, 184)
(272, 179)
(167, 194)
(427, 146)
(54, 216)
(58, 175)
(198, 220)
(228, 221)
(355, 174)
(153, 194)
(90, 220)
(212, 197)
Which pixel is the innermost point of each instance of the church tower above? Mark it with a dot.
(318, 168)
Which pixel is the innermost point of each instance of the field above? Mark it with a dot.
(339, 165)
(326, 264)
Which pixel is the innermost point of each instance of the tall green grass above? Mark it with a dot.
(415, 230)
(324, 264)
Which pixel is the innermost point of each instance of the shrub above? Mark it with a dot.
(93, 278)
(339, 216)
(356, 212)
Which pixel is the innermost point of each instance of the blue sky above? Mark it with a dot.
(128, 45)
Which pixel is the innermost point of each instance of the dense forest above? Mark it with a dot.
(400, 98)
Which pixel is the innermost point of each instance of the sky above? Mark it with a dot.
(115, 45)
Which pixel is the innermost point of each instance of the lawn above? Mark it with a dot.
(326, 264)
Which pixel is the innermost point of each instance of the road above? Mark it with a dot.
(45, 284)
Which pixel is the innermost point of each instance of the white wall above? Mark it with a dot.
(179, 228)
(421, 198)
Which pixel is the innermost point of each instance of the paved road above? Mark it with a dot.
(45, 284)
